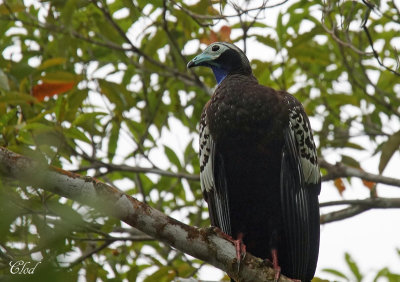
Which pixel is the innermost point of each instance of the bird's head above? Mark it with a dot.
(223, 58)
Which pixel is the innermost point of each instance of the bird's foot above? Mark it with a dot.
(240, 247)
(275, 264)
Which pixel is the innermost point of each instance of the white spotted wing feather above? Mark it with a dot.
(301, 130)
(206, 153)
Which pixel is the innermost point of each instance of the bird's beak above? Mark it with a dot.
(191, 63)
(201, 60)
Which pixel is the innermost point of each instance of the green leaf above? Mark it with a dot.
(75, 99)
(133, 273)
(350, 161)
(280, 30)
(61, 76)
(388, 149)
(107, 30)
(385, 272)
(4, 81)
(156, 42)
(113, 141)
(317, 279)
(160, 275)
(116, 93)
(16, 98)
(38, 127)
(21, 70)
(266, 40)
(75, 133)
(87, 117)
(12, 6)
(336, 273)
(67, 12)
(354, 146)
(353, 267)
(173, 158)
(88, 121)
(52, 62)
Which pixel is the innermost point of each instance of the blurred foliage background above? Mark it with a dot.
(101, 88)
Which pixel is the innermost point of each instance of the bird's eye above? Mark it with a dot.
(215, 48)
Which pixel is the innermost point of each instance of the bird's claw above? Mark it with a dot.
(277, 274)
(240, 249)
(275, 264)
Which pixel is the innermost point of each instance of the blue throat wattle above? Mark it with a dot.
(219, 73)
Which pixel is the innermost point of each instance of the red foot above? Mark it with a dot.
(240, 247)
(277, 268)
(275, 264)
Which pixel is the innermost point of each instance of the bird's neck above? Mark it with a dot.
(219, 73)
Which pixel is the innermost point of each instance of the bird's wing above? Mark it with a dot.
(300, 186)
(212, 179)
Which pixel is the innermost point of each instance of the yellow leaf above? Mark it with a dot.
(225, 33)
(52, 62)
(339, 185)
(60, 77)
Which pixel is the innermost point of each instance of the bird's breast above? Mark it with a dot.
(245, 114)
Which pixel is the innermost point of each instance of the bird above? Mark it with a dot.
(259, 172)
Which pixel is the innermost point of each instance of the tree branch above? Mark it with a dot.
(205, 244)
(379, 202)
(343, 214)
(137, 169)
(357, 207)
(340, 170)
(334, 171)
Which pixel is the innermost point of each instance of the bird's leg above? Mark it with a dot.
(275, 264)
(277, 268)
(240, 247)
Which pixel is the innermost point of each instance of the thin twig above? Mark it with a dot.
(240, 12)
(341, 42)
(371, 43)
(90, 253)
(136, 169)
